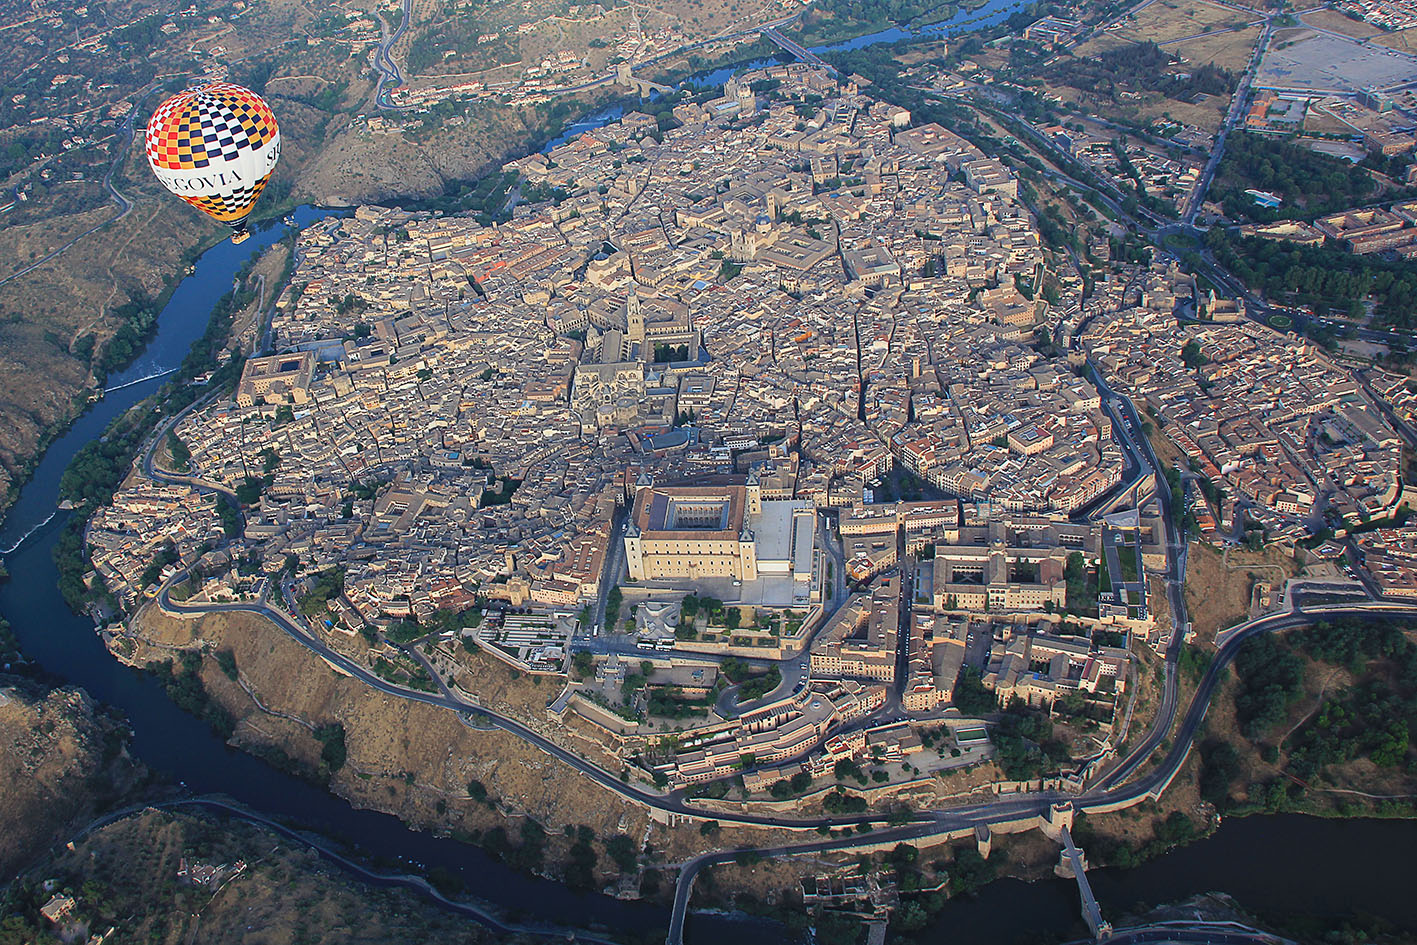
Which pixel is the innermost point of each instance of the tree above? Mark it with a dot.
(1271, 678)
(532, 853)
(332, 750)
(971, 696)
(970, 871)
(623, 851)
(903, 856)
(179, 451)
(839, 802)
(613, 600)
(847, 768)
(323, 586)
(1220, 764)
(910, 917)
(580, 871)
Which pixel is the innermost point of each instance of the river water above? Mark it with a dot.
(991, 13)
(179, 745)
(1268, 863)
(1273, 865)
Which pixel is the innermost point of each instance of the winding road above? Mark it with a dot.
(1120, 787)
(1128, 781)
(1106, 794)
(123, 141)
(409, 881)
(673, 802)
(389, 76)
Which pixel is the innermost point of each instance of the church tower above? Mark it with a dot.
(634, 321)
(747, 101)
(742, 245)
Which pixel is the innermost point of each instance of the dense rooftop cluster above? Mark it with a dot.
(458, 407)
(1286, 434)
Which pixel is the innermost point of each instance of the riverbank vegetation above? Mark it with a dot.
(99, 467)
(833, 21)
(1322, 723)
(183, 682)
(1315, 721)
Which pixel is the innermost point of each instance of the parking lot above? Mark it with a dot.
(1324, 62)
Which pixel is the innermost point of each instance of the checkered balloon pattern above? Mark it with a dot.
(214, 146)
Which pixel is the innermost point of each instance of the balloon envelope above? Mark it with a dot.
(215, 146)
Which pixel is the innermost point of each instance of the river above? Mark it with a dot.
(1269, 863)
(177, 744)
(991, 13)
(1277, 865)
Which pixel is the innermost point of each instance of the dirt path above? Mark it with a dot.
(1318, 704)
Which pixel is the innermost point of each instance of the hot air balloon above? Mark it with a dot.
(215, 146)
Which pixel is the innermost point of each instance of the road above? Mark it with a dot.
(1108, 793)
(159, 436)
(446, 698)
(123, 141)
(834, 566)
(326, 850)
(1194, 933)
(389, 76)
(793, 664)
(1237, 108)
(1133, 468)
(1215, 32)
(798, 50)
(610, 576)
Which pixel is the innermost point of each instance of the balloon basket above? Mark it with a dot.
(241, 237)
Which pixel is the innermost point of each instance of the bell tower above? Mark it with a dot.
(634, 321)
